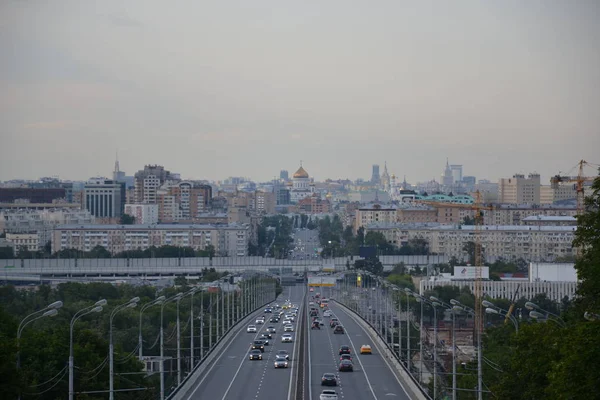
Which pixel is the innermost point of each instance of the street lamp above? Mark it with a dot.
(49, 311)
(176, 297)
(130, 304)
(458, 307)
(146, 306)
(97, 307)
(422, 299)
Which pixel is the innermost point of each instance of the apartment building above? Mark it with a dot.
(519, 190)
(227, 240)
(532, 243)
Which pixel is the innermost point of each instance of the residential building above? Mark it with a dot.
(148, 181)
(146, 214)
(227, 240)
(519, 190)
(29, 241)
(540, 243)
(104, 198)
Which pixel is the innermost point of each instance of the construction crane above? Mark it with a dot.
(579, 181)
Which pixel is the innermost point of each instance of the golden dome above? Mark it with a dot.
(301, 173)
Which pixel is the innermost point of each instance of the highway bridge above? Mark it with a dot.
(231, 375)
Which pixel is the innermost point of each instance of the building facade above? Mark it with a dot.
(227, 240)
(104, 198)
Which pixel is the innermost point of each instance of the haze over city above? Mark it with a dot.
(215, 89)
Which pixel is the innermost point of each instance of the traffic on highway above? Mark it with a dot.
(262, 360)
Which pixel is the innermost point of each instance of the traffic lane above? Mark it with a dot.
(277, 381)
(216, 380)
(325, 357)
(250, 377)
(381, 380)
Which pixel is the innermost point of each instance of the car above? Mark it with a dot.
(346, 365)
(281, 362)
(345, 357)
(328, 379)
(327, 313)
(344, 350)
(286, 338)
(328, 395)
(260, 320)
(288, 328)
(338, 329)
(251, 329)
(365, 349)
(258, 345)
(271, 329)
(256, 355)
(284, 354)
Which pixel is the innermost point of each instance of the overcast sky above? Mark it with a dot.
(212, 89)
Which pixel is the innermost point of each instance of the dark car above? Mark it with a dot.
(346, 365)
(283, 354)
(328, 380)
(338, 329)
(256, 355)
(258, 345)
(345, 357)
(344, 349)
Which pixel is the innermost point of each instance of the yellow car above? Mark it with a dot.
(365, 349)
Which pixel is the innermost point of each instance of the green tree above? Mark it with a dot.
(127, 219)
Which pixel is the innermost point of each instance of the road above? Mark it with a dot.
(372, 377)
(234, 376)
(305, 242)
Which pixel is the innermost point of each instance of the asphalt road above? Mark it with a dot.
(372, 377)
(234, 376)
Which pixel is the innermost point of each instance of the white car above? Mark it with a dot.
(251, 329)
(288, 328)
(286, 338)
(328, 395)
(260, 320)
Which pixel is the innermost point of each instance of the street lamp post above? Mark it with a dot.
(176, 297)
(97, 307)
(144, 308)
(130, 304)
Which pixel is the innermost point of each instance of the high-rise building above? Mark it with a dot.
(375, 175)
(457, 173)
(104, 198)
(519, 190)
(284, 175)
(148, 181)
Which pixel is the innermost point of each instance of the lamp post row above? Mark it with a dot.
(249, 300)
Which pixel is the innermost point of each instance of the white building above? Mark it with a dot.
(531, 243)
(302, 186)
(227, 240)
(146, 214)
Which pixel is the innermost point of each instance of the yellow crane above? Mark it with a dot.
(579, 181)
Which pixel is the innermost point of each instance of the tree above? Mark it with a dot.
(127, 219)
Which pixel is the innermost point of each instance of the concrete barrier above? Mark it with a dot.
(411, 386)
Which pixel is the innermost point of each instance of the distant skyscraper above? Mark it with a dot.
(284, 175)
(118, 175)
(456, 173)
(375, 175)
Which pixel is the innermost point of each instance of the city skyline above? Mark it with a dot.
(212, 91)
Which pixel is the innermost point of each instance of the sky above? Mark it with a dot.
(212, 89)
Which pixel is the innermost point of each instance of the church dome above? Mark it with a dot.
(301, 173)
